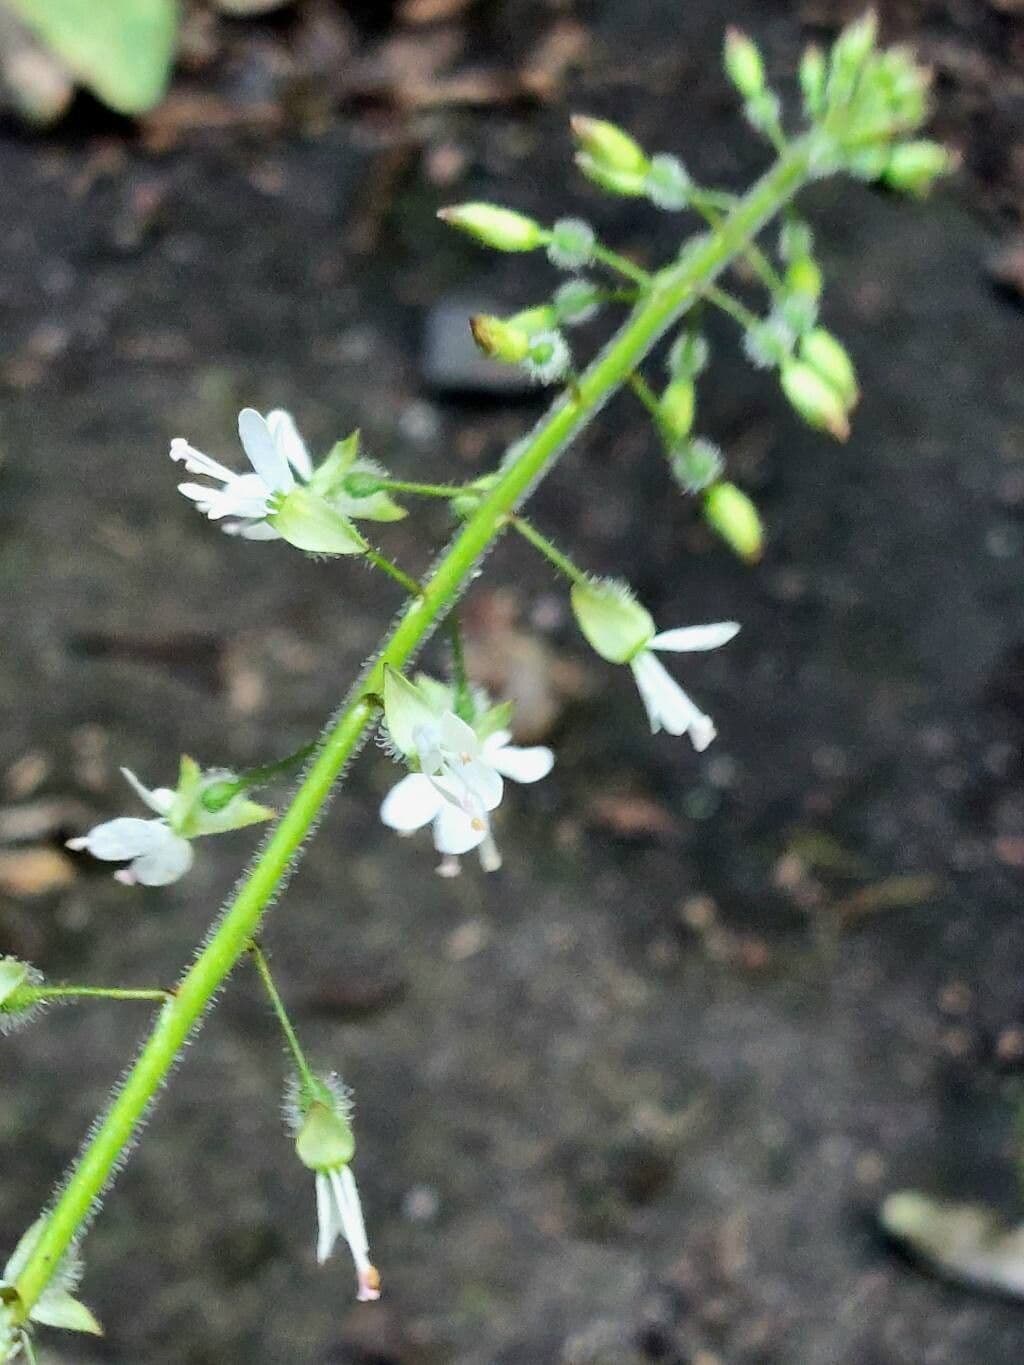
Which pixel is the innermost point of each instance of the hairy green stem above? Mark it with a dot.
(259, 957)
(551, 552)
(670, 293)
(32, 995)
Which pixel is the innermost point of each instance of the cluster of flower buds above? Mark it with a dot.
(864, 102)
(319, 1112)
(159, 851)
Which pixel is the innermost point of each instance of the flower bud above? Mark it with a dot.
(850, 52)
(743, 64)
(615, 624)
(628, 184)
(731, 514)
(815, 399)
(325, 1141)
(803, 276)
(669, 185)
(813, 76)
(577, 301)
(829, 358)
(696, 464)
(503, 229)
(534, 320)
(688, 356)
(572, 244)
(676, 408)
(306, 521)
(500, 340)
(913, 167)
(608, 147)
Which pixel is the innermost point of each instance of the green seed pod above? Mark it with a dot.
(627, 184)
(503, 229)
(803, 276)
(829, 357)
(325, 1141)
(732, 515)
(534, 320)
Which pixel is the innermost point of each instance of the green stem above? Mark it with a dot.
(225, 792)
(673, 291)
(736, 310)
(623, 266)
(393, 571)
(291, 1037)
(463, 699)
(425, 490)
(561, 562)
(646, 394)
(33, 995)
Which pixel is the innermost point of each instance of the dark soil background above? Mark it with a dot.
(636, 1098)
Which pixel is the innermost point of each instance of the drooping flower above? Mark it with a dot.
(56, 1305)
(623, 632)
(324, 1142)
(280, 499)
(458, 768)
(159, 851)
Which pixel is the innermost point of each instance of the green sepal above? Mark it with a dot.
(308, 522)
(406, 710)
(13, 975)
(613, 621)
(325, 1141)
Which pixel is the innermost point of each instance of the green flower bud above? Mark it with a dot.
(803, 276)
(815, 399)
(500, 340)
(534, 320)
(688, 355)
(628, 184)
(211, 802)
(615, 624)
(813, 77)
(13, 975)
(732, 515)
(325, 1141)
(309, 523)
(829, 357)
(676, 408)
(850, 52)
(743, 63)
(913, 167)
(503, 229)
(608, 147)
(763, 111)
(696, 464)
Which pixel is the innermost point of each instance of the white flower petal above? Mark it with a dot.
(353, 1227)
(290, 443)
(687, 638)
(482, 781)
(521, 765)
(125, 837)
(200, 493)
(411, 803)
(251, 530)
(668, 706)
(456, 831)
(264, 454)
(198, 463)
(160, 799)
(328, 1226)
(165, 863)
(457, 736)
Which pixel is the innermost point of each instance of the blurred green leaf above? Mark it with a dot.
(120, 49)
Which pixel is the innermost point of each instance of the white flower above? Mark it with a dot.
(273, 502)
(668, 706)
(461, 782)
(56, 1305)
(159, 851)
(339, 1214)
(155, 853)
